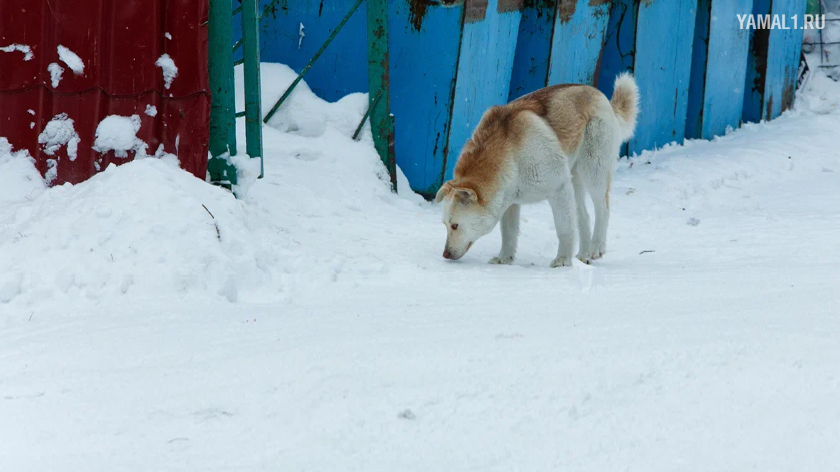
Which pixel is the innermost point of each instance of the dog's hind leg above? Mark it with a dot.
(510, 236)
(595, 166)
(582, 216)
(563, 207)
(599, 189)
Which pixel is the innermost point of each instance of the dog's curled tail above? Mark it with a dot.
(625, 104)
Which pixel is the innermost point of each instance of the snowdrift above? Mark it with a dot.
(324, 214)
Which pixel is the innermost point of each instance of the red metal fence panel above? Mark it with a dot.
(119, 43)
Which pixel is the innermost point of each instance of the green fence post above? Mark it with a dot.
(253, 105)
(379, 96)
(222, 103)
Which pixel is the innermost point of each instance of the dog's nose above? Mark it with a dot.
(447, 254)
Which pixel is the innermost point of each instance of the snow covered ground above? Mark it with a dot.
(149, 321)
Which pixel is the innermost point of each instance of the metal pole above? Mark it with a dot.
(379, 96)
(253, 105)
(222, 102)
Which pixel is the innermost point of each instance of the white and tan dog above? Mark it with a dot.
(557, 144)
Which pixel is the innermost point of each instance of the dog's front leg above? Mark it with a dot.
(563, 208)
(510, 236)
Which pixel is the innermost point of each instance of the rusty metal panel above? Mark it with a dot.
(118, 43)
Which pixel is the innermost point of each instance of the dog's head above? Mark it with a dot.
(466, 219)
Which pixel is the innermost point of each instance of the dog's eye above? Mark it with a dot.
(454, 226)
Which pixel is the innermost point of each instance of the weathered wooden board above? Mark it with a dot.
(533, 47)
(619, 53)
(664, 37)
(756, 67)
(783, 57)
(773, 60)
(579, 29)
(719, 66)
(425, 43)
(484, 68)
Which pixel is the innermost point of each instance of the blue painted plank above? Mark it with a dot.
(484, 72)
(533, 47)
(424, 60)
(717, 87)
(578, 39)
(783, 57)
(341, 69)
(662, 69)
(699, 62)
(619, 51)
(726, 69)
(756, 67)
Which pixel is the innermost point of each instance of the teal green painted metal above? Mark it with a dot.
(367, 114)
(222, 104)
(381, 119)
(312, 61)
(253, 106)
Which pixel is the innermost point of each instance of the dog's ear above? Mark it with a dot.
(443, 192)
(466, 195)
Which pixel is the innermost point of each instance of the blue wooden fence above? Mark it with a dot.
(773, 62)
(718, 70)
(699, 73)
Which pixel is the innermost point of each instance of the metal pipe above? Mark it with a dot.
(311, 62)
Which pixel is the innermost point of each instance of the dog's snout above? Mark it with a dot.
(447, 254)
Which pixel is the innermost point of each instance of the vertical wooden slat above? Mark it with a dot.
(662, 70)
(533, 48)
(484, 71)
(719, 68)
(577, 42)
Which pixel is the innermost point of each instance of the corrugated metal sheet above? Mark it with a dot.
(119, 43)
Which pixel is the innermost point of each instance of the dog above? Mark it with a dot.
(557, 144)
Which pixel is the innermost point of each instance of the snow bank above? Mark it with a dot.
(303, 113)
(55, 71)
(26, 50)
(168, 69)
(139, 229)
(19, 180)
(73, 61)
(324, 214)
(119, 134)
(821, 93)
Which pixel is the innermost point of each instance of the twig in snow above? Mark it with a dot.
(218, 233)
(646, 251)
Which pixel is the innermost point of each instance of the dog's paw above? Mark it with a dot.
(597, 251)
(502, 260)
(562, 262)
(585, 258)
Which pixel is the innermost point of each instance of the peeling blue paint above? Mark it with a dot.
(719, 68)
(664, 37)
(577, 42)
(484, 73)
